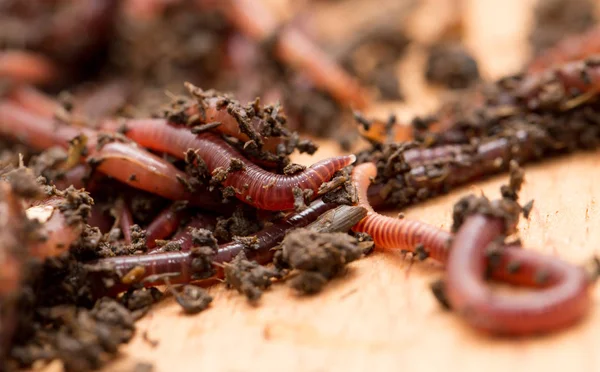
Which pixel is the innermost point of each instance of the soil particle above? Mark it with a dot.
(451, 66)
(193, 299)
(438, 288)
(322, 255)
(507, 208)
(204, 238)
(248, 277)
(202, 262)
(139, 301)
(340, 190)
(243, 222)
(301, 197)
(196, 169)
(293, 168)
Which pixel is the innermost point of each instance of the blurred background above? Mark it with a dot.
(128, 57)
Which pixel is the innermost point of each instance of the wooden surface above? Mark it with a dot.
(381, 315)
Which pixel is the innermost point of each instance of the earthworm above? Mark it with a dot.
(394, 233)
(463, 164)
(255, 20)
(125, 222)
(253, 185)
(34, 101)
(142, 170)
(569, 49)
(26, 67)
(209, 111)
(38, 132)
(563, 300)
(102, 101)
(181, 264)
(184, 236)
(440, 168)
(438, 154)
(125, 162)
(73, 177)
(578, 80)
(163, 225)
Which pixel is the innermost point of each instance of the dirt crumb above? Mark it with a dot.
(323, 255)
(193, 299)
(243, 222)
(138, 301)
(452, 66)
(248, 277)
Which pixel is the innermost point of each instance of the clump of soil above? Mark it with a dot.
(452, 66)
(248, 277)
(317, 257)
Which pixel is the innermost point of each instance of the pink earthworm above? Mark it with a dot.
(252, 184)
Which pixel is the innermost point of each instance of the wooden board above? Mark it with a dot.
(381, 315)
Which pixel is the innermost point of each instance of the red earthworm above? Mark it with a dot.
(102, 101)
(563, 301)
(73, 177)
(394, 233)
(34, 101)
(181, 264)
(255, 20)
(163, 225)
(439, 168)
(210, 112)
(125, 222)
(579, 80)
(26, 67)
(184, 236)
(145, 171)
(437, 154)
(201, 221)
(125, 162)
(490, 156)
(251, 183)
(571, 48)
(37, 132)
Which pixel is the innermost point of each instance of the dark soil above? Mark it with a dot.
(452, 66)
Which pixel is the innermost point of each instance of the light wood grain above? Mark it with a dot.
(381, 315)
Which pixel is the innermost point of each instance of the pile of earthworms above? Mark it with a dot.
(121, 56)
(97, 207)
